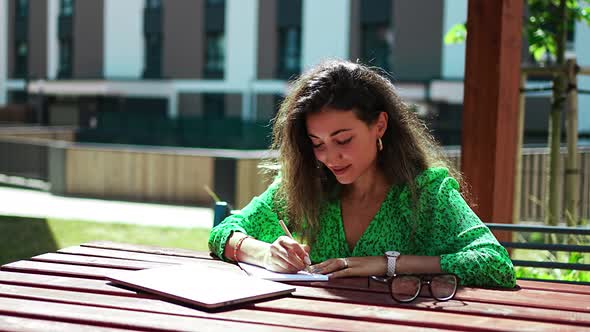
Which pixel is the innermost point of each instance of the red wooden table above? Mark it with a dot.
(66, 291)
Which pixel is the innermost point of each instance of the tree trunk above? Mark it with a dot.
(572, 172)
(553, 213)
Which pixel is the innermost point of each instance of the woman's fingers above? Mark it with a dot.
(353, 267)
(288, 254)
(331, 265)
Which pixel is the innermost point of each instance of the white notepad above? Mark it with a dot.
(262, 273)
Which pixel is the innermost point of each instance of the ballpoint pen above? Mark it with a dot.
(286, 230)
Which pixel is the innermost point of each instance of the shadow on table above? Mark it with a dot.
(22, 238)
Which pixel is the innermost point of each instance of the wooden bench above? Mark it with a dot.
(582, 248)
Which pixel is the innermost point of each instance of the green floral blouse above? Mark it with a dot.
(445, 227)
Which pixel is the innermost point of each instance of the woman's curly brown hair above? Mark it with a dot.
(408, 148)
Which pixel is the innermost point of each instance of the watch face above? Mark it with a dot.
(392, 253)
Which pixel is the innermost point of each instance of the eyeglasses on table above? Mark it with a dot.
(405, 288)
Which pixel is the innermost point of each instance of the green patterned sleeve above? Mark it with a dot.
(257, 219)
(467, 247)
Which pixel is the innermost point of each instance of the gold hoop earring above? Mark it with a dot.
(380, 144)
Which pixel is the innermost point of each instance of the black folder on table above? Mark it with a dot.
(199, 285)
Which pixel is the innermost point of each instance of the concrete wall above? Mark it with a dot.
(190, 104)
(37, 39)
(418, 42)
(333, 41)
(184, 39)
(52, 38)
(241, 39)
(267, 39)
(88, 39)
(123, 39)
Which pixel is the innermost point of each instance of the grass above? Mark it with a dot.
(21, 238)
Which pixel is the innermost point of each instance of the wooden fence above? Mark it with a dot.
(535, 163)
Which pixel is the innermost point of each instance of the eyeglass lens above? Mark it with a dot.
(407, 288)
(443, 287)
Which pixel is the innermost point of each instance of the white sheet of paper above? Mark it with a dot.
(260, 272)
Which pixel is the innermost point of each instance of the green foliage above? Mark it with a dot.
(457, 34)
(541, 27)
(545, 255)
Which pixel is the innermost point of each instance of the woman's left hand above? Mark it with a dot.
(352, 267)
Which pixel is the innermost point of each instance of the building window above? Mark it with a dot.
(22, 8)
(289, 52)
(289, 38)
(214, 39)
(66, 7)
(153, 4)
(377, 33)
(21, 39)
(65, 37)
(65, 58)
(213, 106)
(153, 56)
(21, 59)
(377, 40)
(215, 55)
(152, 31)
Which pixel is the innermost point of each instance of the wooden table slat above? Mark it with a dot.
(191, 320)
(24, 324)
(148, 249)
(96, 272)
(60, 282)
(97, 261)
(276, 310)
(129, 255)
(476, 308)
(369, 300)
(67, 289)
(554, 286)
(523, 297)
(59, 269)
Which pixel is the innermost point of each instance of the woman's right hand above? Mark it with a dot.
(286, 255)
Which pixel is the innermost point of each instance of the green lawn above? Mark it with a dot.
(22, 238)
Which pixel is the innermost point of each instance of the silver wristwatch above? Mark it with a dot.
(391, 261)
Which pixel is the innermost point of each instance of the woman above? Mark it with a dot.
(359, 177)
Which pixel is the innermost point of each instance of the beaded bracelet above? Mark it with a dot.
(237, 247)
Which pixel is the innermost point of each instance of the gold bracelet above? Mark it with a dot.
(237, 247)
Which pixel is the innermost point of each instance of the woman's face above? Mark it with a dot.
(346, 145)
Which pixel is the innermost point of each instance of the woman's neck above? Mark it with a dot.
(369, 186)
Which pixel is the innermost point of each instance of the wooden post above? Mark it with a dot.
(490, 115)
(572, 172)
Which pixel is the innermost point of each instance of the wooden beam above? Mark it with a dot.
(490, 115)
